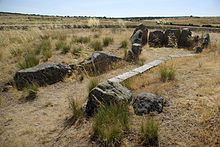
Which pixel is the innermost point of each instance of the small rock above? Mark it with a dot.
(198, 49)
(144, 103)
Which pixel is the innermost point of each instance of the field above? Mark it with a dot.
(192, 119)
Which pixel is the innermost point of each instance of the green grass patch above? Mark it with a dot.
(76, 51)
(124, 44)
(97, 46)
(93, 83)
(110, 124)
(107, 41)
(167, 73)
(149, 131)
(30, 60)
(82, 39)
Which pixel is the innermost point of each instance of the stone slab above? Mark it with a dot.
(155, 62)
(143, 68)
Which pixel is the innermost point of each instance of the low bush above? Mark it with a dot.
(97, 46)
(149, 130)
(110, 124)
(32, 92)
(59, 45)
(107, 41)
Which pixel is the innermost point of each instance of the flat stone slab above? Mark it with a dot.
(155, 62)
(143, 68)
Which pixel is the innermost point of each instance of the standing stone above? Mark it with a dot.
(145, 103)
(205, 41)
(171, 37)
(156, 39)
(105, 94)
(140, 35)
(184, 41)
(134, 52)
(41, 74)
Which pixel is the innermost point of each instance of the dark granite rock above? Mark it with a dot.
(171, 37)
(41, 74)
(145, 103)
(105, 94)
(156, 39)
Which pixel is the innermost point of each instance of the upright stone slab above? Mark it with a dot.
(171, 37)
(140, 35)
(184, 41)
(134, 52)
(205, 41)
(41, 74)
(156, 39)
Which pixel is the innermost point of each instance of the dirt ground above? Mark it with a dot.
(192, 119)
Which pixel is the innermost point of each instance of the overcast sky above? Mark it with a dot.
(113, 8)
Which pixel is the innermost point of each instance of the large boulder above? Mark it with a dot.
(145, 103)
(140, 35)
(41, 74)
(156, 39)
(105, 94)
(171, 37)
(185, 38)
(134, 52)
(99, 61)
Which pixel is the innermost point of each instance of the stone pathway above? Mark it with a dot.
(142, 69)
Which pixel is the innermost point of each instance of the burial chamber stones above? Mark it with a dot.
(42, 74)
(140, 35)
(98, 61)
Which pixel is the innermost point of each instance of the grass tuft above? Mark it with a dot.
(30, 60)
(77, 112)
(107, 41)
(124, 44)
(93, 83)
(149, 130)
(167, 73)
(82, 40)
(110, 123)
(76, 51)
(97, 46)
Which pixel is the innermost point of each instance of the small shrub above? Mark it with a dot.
(82, 40)
(107, 41)
(30, 60)
(93, 83)
(97, 46)
(77, 112)
(167, 73)
(76, 51)
(44, 45)
(45, 37)
(149, 130)
(124, 44)
(110, 123)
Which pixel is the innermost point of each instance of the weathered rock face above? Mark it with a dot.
(99, 61)
(184, 40)
(156, 39)
(105, 94)
(134, 52)
(41, 74)
(137, 37)
(145, 103)
(171, 38)
(140, 35)
(205, 41)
